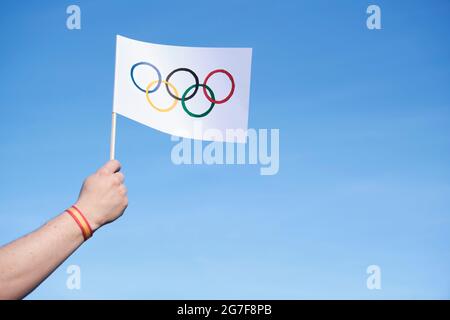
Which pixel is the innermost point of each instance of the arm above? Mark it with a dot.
(26, 262)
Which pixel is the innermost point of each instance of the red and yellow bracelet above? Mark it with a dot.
(82, 222)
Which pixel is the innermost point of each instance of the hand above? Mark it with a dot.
(103, 196)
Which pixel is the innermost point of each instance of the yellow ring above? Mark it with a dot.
(150, 101)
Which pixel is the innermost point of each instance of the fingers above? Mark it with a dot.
(119, 177)
(110, 167)
(123, 190)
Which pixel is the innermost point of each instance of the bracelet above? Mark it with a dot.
(81, 220)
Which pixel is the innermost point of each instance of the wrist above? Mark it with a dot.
(81, 221)
(88, 213)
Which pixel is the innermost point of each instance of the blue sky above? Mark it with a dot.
(364, 119)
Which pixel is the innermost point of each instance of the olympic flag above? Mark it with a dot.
(192, 92)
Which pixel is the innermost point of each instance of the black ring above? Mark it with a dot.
(196, 83)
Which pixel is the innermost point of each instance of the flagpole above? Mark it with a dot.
(112, 149)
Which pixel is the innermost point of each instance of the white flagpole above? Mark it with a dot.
(112, 149)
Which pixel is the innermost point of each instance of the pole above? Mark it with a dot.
(112, 149)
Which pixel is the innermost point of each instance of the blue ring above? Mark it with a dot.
(150, 65)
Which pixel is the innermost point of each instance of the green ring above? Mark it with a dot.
(195, 115)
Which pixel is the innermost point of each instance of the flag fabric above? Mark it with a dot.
(191, 92)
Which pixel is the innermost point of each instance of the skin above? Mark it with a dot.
(27, 261)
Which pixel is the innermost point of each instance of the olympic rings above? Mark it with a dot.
(147, 91)
(232, 86)
(146, 64)
(183, 99)
(195, 78)
(173, 92)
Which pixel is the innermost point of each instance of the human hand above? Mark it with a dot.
(103, 196)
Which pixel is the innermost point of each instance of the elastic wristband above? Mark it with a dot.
(81, 220)
(85, 220)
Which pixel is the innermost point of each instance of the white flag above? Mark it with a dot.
(199, 93)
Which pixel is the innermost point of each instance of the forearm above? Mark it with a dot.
(26, 262)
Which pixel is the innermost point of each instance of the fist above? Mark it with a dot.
(103, 196)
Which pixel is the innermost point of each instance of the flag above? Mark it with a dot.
(193, 92)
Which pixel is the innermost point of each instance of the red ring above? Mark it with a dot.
(232, 86)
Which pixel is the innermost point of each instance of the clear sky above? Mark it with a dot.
(364, 119)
